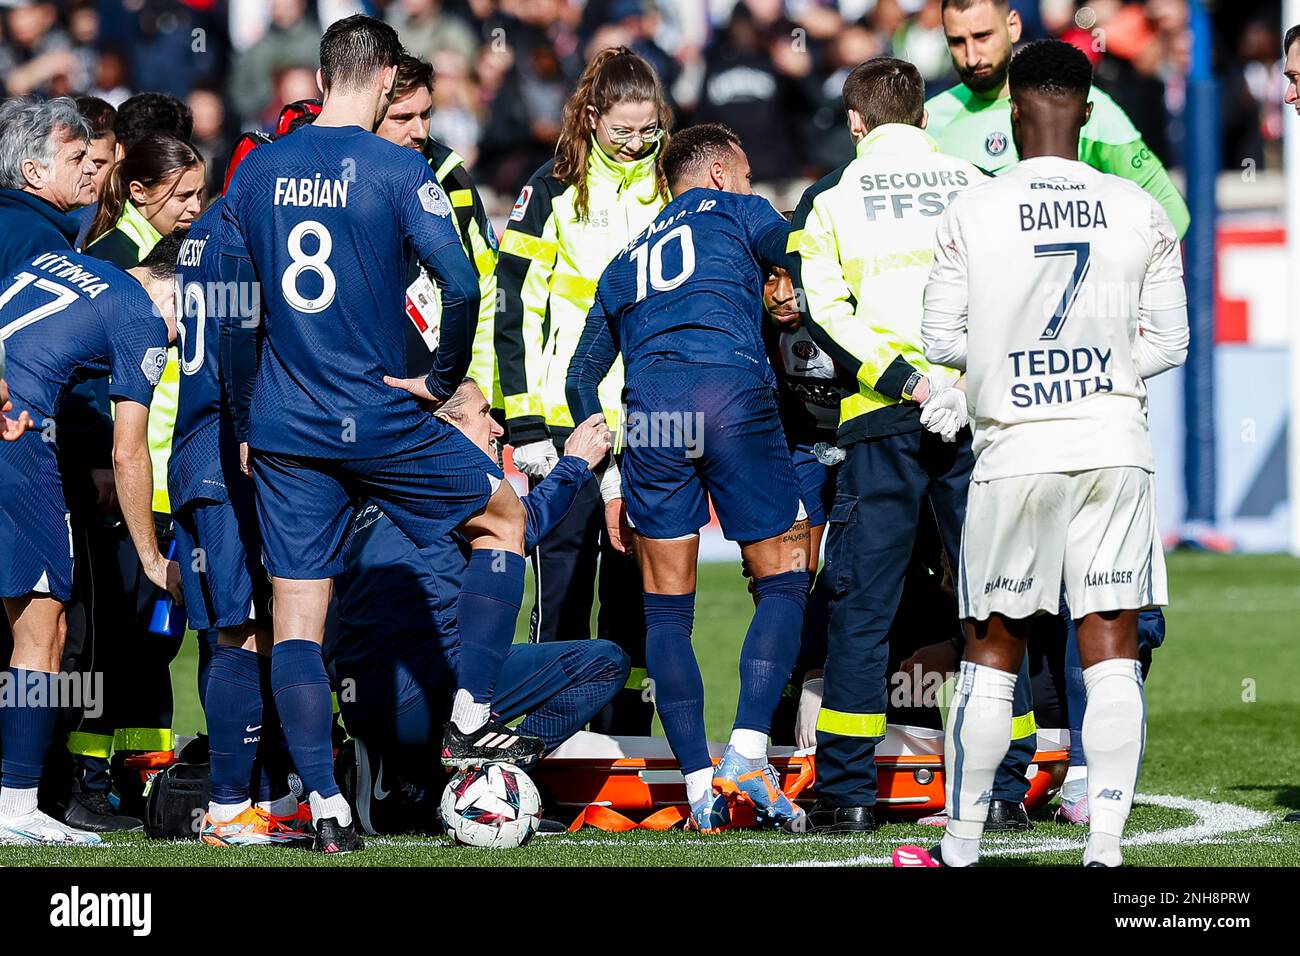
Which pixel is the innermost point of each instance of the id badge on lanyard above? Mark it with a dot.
(424, 308)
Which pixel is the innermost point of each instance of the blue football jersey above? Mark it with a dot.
(215, 287)
(689, 288)
(327, 215)
(66, 317)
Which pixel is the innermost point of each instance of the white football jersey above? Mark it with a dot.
(1058, 289)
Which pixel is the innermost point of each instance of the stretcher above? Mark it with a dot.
(624, 783)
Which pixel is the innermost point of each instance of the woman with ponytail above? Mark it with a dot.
(604, 186)
(157, 187)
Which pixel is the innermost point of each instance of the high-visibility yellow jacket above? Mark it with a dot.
(550, 262)
(126, 245)
(861, 248)
(480, 243)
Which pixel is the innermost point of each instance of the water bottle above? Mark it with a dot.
(168, 618)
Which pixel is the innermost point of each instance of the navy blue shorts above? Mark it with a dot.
(35, 533)
(220, 554)
(305, 505)
(816, 484)
(696, 433)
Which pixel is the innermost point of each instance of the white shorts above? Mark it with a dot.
(1093, 531)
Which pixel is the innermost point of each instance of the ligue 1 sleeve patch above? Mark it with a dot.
(152, 365)
(521, 204)
(434, 200)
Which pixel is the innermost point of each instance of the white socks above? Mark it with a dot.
(959, 851)
(978, 737)
(225, 812)
(467, 715)
(16, 803)
(750, 744)
(325, 807)
(698, 783)
(1114, 734)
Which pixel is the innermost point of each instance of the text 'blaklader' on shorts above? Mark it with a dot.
(305, 504)
(1093, 531)
(695, 433)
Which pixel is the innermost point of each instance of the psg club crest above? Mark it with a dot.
(996, 144)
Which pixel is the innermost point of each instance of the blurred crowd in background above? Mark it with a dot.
(771, 69)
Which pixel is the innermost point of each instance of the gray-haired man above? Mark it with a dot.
(45, 173)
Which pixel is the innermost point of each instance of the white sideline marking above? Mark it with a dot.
(1213, 821)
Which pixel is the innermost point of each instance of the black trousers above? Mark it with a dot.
(882, 489)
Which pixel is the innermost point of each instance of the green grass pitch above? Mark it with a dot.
(1222, 762)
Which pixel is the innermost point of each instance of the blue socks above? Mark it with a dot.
(771, 647)
(26, 730)
(207, 647)
(675, 677)
(490, 596)
(273, 764)
(234, 710)
(302, 697)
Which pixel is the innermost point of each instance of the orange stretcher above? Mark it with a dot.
(624, 783)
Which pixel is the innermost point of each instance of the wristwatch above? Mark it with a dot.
(913, 380)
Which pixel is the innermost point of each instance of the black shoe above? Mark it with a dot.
(546, 828)
(1292, 817)
(827, 819)
(383, 802)
(92, 810)
(333, 837)
(1007, 817)
(494, 741)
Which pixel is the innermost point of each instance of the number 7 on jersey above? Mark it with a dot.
(1082, 252)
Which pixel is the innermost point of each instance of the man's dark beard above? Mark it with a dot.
(989, 83)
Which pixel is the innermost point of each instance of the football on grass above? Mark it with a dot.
(494, 806)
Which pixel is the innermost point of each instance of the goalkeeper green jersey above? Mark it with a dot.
(979, 131)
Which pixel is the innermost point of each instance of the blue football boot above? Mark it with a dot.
(756, 783)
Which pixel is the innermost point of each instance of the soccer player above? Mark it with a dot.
(326, 215)
(1291, 69)
(398, 643)
(683, 303)
(809, 388)
(64, 317)
(973, 119)
(1059, 290)
(407, 124)
(219, 547)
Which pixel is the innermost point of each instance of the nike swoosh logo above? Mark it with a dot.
(252, 730)
(380, 792)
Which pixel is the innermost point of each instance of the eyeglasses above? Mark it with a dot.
(621, 137)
